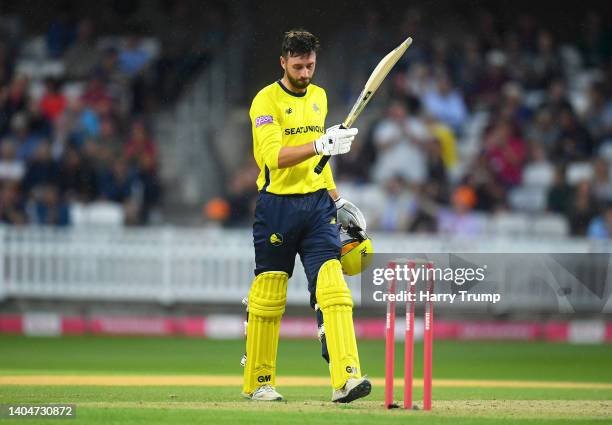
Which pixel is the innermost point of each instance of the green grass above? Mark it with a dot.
(221, 405)
(456, 360)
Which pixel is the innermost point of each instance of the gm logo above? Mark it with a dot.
(264, 378)
(276, 239)
(351, 369)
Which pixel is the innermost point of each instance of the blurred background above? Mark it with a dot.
(127, 182)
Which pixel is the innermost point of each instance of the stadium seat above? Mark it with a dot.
(605, 150)
(369, 197)
(508, 224)
(73, 89)
(97, 214)
(540, 174)
(34, 49)
(549, 225)
(528, 198)
(579, 171)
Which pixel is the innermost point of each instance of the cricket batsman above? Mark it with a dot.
(299, 212)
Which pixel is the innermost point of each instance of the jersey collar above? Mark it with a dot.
(289, 92)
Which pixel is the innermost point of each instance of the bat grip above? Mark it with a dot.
(323, 161)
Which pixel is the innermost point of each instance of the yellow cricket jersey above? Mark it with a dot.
(280, 118)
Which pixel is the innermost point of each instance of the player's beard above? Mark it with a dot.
(300, 83)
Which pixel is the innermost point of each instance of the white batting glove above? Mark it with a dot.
(349, 215)
(335, 141)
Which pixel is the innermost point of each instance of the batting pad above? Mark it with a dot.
(267, 299)
(334, 300)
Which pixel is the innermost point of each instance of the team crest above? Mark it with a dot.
(276, 239)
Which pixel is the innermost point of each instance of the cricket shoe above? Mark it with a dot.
(264, 393)
(353, 389)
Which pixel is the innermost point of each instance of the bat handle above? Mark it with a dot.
(319, 168)
(323, 161)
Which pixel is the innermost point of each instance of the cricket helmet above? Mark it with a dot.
(356, 254)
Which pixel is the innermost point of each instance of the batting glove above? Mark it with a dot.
(349, 215)
(335, 141)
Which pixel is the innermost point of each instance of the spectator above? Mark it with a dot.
(11, 168)
(150, 186)
(575, 142)
(544, 130)
(446, 103)
(545, 64)
(53, 102)
(354, 166)
(117, 184)
(83, 122)
(511, 107)
(600, 227)
(594, 43)
(598, 114)
(48, 208)
(24, 140)
(506, 153)
(96, 91)
(539, 168)
(489, 194)
(60, 34)
(82, 56)
(77, 177)
(41, 169)
(133, 58)
(399, 207)
(398, 140)
(39, 124)
(560, 193)
(602, 186)
(518, 56)
(140, 145)
(12, 210)
(489, 85)
(469, 67)
(131, 213)
(241, 195)
(582, 209)
(13, 100)
(6, 65)
(436, 184)
(445, 139)
(460, 220)
(108, 70)
(109, 138)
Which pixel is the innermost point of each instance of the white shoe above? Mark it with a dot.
(264, 393)
(353, 389)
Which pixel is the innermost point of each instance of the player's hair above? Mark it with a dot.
(298, 42)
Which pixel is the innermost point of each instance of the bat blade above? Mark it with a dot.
(376, 78)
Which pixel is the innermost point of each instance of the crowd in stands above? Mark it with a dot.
(75, 114)
(503, 117)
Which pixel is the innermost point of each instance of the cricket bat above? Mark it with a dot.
(377, 77)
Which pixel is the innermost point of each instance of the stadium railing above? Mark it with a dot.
(171, 265)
